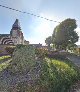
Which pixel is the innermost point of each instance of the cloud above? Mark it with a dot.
(42, 29)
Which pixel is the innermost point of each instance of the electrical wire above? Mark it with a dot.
(28, 13)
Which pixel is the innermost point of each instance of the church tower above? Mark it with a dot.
(16, 33)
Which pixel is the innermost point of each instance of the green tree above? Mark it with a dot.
(64, 34)
(48, 41)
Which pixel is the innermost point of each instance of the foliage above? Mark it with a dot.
(1, 51)
(4, 65)
(58, 76)
(41, 53)
(37, 75)
(10, 49)
(24, 65)
(64, 33)
(48, 41)
(57, 55)
(23, 58)
(4, 57)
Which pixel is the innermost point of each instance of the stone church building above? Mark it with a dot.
(15, 37)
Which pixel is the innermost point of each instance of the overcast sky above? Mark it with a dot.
(36, 29)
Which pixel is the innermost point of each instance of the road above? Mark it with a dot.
(76, 61)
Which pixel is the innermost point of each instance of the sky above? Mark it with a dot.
(35, 29)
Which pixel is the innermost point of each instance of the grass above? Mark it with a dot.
(4, 65)
(59, 75)
(56, 75)
(4, 57)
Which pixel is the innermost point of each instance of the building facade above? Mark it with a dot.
(15, 37)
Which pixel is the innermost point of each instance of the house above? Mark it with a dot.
(15, 37)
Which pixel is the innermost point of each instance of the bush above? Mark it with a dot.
(27, 68)
(23, 58)
(58, 76)
(41, 53)
(44, 75)
(10, 50)
(56, 55)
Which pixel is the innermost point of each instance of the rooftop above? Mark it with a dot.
(16, 25)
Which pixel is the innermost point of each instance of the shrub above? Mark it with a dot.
(1, 51)
(25, 66)
(41, 53)
(23, 58)
(10, 50)
(45, 75)
(57, 55)
(58, 76)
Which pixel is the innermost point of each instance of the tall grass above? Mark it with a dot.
(58, 76)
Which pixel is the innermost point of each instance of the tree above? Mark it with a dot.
(48, 41)
(64, 34)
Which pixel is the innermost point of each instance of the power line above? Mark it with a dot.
(28, 13)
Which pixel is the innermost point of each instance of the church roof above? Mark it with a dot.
(16, 25)
(4, 35)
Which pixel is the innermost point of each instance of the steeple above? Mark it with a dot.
(16, 25)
